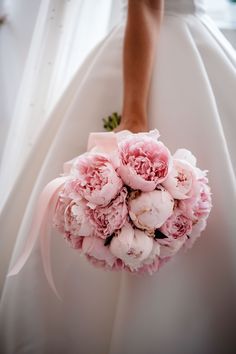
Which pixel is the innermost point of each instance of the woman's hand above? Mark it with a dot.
(134, 123)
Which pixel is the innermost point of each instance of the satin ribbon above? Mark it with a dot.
(39, 228)
(41, 225)
(105, 141)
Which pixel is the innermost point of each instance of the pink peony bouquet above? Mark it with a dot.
(128, 203)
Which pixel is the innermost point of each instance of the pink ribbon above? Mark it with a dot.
(40, 228)
(105, 141)
(41, 224)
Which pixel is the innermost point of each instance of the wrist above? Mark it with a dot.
(133, 122)
(134, 116)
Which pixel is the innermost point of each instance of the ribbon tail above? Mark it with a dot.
(38, 223)
(45, 244)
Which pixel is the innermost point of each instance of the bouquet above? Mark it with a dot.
(127, 203)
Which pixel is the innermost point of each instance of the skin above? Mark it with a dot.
(140, 44)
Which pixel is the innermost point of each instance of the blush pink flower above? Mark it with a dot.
(117, 265)
(71, 229)
(95, 179)
(149, 210)
(58, 219)
(145, 162)
(185, 155)
(150, 268)
(107, 219)
(196, 232)
(76, 219)
(199, 205)
(94, 247)
(177, 225)
(152, 262)
(97, 262)
(203, 204)
(170, 246)
(70, 216)
(124, 134)
(181, 181)
(132, 246)
(75, 241)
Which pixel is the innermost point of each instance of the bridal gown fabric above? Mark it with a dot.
(42, 54)
(190, 305)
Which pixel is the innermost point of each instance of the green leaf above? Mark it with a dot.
(112, 121)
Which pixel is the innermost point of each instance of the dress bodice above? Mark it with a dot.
(176, 6)
(184, 6)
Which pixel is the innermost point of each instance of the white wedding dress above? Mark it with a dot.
(190, 305)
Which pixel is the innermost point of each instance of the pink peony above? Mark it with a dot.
(95, 179)
(186, 155)
(155, 252)
(199, 205)
(111, 217)
(145, 162)
(94, 247)
(177, 226)
(124, 134)
(96, 262)
(76, 220)
(70, 217)
(58, 219)
(151, 263)
(75, 241)
(150, 268)
(203, 203)
(181, 181)
(150, 210)
(132, 246)
(196, 232)
(170, 246)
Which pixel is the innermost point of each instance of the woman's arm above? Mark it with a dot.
(141, 35)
